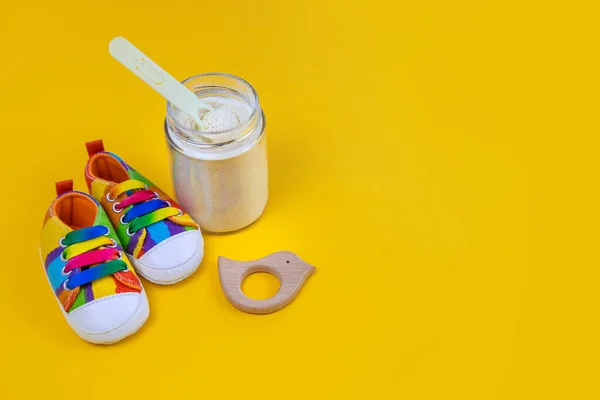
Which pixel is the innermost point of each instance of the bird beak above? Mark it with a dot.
(310, 268)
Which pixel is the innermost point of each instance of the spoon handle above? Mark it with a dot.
(156, 77)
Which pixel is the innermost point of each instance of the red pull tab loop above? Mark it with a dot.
(95, 146)
(64, 187)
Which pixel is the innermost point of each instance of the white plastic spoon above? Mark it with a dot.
(158, 79)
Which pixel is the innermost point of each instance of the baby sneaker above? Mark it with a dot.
(98, 291)
(163, 243)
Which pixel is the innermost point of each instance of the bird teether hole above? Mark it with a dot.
(260, 285)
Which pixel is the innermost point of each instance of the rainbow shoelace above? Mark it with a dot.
(146, 207)
(87, 247)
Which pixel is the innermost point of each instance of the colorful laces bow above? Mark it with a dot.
(146, 208)
(87, 247)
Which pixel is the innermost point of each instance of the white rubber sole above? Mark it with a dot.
(116, 334)
(168, 276)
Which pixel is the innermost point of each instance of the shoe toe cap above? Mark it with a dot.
(172, 259)
(110, 318)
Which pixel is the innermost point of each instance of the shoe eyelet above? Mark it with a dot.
(110, 200)
(63, 272)
(107, 231)
(65, 285)
(114, 207)
(169, 204)
(156, 194)
(180, 213)
(61, 243)
(62, 257)
(114, 243)
(129, 233)
(122, 221)
(119, 256)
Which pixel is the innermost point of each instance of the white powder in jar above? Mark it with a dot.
(224, 188)
(227, 114)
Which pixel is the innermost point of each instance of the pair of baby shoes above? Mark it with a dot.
(93, 247)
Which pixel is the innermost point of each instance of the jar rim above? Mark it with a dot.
(220, 150)
(255, 104)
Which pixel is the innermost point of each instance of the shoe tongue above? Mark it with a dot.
(110, 168)
(131, 175)
(77, 210)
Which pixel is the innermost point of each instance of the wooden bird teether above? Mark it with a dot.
(285, 265)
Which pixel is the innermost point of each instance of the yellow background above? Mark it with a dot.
(433, 159)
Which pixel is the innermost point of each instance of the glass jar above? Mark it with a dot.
(220, 177)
